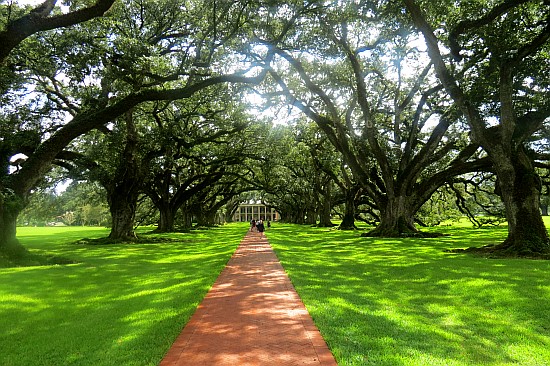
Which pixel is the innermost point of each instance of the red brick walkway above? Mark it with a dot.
(251, 316)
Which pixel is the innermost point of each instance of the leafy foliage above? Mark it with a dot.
(155, 98)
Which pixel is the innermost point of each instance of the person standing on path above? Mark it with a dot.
(260, 226)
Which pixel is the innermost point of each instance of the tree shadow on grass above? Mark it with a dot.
(486, 243)
(494, 252)
(122, 304)
(30, 259)
(405, 302)
(134, 241)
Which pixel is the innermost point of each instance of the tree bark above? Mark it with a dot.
(297, 217)
(123, 211)
(326, 207)
(187, 217)
(206, 218)
(324, 215)
(39, 19)
(396, 218)
(348, 221)
(125, 186)
(10, 207)
(166, 221)
(311, 216)
(519, 187)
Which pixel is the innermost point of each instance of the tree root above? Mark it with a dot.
(414, 234)
(501, 251)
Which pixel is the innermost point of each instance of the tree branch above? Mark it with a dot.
(38, 164)
(468, 24)
(38, 20)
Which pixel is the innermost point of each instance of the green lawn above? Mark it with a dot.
(407, 302)
(121, 304)
(376, 301)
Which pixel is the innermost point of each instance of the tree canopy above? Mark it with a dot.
(176, 103)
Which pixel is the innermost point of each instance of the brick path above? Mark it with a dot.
(251, 316)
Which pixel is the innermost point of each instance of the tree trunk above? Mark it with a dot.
(348, 221)
(10, 207)
(544, 209)
(298, 217)
(124, 189)
(311, 217)
(166, 221)
(201, 218)
(396, 219)
(187, 218)
(326, 207)
(205, 218)
(519, 187)
(123, 212)
(324, 215)
(229, 218)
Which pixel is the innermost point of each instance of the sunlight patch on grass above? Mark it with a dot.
(407, 302)
(123, 304)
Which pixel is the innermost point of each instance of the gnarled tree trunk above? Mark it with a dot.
(519, 187)
(348, 221)
(396, 218)
(123, 212)
(123, 191)
(166, 221)
(10, 207)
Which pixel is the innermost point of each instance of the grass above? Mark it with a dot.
(376, 301)
(407, 302)
(121, 304)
